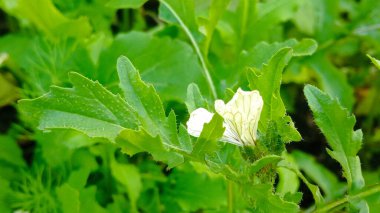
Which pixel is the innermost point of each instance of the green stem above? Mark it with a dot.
(318, 199)
(206, 72)
(244, 19)
(372, 190)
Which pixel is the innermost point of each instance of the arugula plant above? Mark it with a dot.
(115, 138)
(136, 122)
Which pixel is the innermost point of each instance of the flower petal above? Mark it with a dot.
(197, 119)
(242, 114)
(201, 116)
(230, 136)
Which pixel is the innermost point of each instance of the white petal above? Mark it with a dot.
(230, 136)
(201, 116)
(220, 107)
(197, 119)
(242, 114)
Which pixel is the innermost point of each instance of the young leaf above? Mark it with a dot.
(195, 99)
(88, 107)
(207, 141)
(337, 125)
(268, 81)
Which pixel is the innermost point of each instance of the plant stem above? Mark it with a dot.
(244, 19)
(206, 72)
(372, 190)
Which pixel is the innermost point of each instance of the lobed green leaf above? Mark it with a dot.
(88, 107)
(268, 81)
(337, 125)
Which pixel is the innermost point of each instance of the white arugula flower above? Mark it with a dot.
(241, 117)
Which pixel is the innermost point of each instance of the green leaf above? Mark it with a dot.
(193, 191)
(374, 61)
(209, 23)
(136, 141)
(6, 190)
(140, 96)
(333, 81)
(337, 125)
(39, 62)
(144, 99)
(69, 198)
(78, 178)
(130, 177)
(228, 161)
(251, 58)
(319, 174)
(87, 107)
(271, 142)
(47, 18)
(317, 196)
(269, 15)
(194, 98)
(168, 63)
(324, 26)
(268, 81)
(88, 201)
(288, 182)
(264, 200)
(8, 91)
(123, 4)
(182, 13)
(262, 162)
(10, 152)
(208, 140)
(293, 197)
(287, 130)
